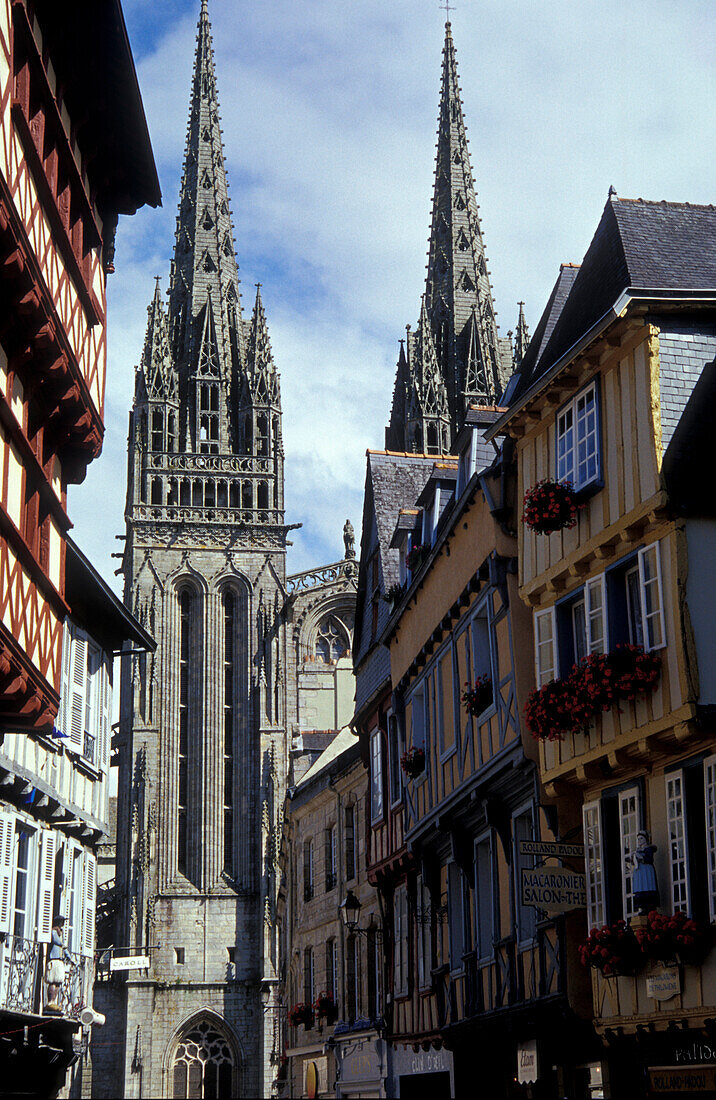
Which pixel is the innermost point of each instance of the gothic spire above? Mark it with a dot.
(395, 432)
(261, 373)
(157, 368)
(458, 292)
(427, 412)
(522, 338)
(204, 258)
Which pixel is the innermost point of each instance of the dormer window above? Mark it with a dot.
(578, 459)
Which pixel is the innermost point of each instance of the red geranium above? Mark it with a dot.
(301, 1013)
(413, 762)
(613, 949)
(479, 697)
(678, 936)
(326, 1008)
(550, 506)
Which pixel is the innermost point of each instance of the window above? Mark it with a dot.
(400, 938)
(349, 838)
(485, 898)
(652, 601)
(423, 917)
(594, 865)
(24, 881)
(85, 697)
(396, 751)
(458, 916)
(578, 440)
(582, 623)
(629, 825)
(352, 1005)
(331, 642)
(229, 608)
(203, 1065)
(331, 857)
(309, 983)
(545, 647)
(332, 968)
(525, 915)
(373, 975)
(376, 776)
(307, 870)
(678, 851)
(710, 812)
(419, 718)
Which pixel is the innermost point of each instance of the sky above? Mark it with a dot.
(329, 112)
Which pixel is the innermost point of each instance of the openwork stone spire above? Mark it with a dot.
(204, 259)
(262, 376)
(157, 368)
(458, 292)
(522, 338)
(427, 422)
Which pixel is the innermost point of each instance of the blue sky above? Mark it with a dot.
(329, 115)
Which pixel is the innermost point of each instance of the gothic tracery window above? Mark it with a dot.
(203, 1065)
(332, 642)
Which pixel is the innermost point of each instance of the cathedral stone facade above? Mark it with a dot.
(252, 671)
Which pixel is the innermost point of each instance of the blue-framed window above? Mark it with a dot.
(578, 445)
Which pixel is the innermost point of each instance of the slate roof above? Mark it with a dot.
(393, 481)
(688, 460)
(638, 245)
(344, 740)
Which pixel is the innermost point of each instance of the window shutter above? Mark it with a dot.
(652, 599)
(546, 668)
(596, 615)
(78, 691)
(105, 733)
(89, 905)
(594, 864)
(7, 834)
(48, 847)
(63, 714)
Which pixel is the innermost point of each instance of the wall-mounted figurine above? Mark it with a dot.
(644, 886)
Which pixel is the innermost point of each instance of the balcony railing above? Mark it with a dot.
(22, 985)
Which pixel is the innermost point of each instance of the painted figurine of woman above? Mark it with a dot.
(643, 880)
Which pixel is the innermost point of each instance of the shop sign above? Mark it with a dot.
(315, 1077)
(664, 984)
(555, 889)
(551, 848)
(694, 1053)
(675, 1080)
(133, 962)
(527, 1063)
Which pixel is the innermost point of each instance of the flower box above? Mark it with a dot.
(479, 697)
(301, 1013)
(326, 1008)
(413, 762)
(394, 594)
(613, 949)
(550, 506)
(415, 557)
(677, 937)
(596, 684)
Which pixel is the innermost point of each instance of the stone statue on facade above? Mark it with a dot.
(349, 539)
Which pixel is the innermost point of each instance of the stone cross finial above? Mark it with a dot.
(349, 540)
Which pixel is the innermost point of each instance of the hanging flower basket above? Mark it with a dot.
(666, 938)
(326, 1008)
(599, 682)
(415, 557)
(550, 506)
(301, 1013)
(613, 949)
(413, 762)
(479, 697)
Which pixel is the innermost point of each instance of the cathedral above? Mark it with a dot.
(251, 678)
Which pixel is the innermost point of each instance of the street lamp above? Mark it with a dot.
(350, 910)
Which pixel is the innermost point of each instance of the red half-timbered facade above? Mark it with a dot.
(74, 154)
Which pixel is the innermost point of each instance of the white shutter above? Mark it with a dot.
(79, 685)
(89, 903)
(652, 597)
(48, 847)
(546, 664)
(594, 864)
(629, 825)
(106, 716)
(7, 836)
(596, 615)
(63, 713)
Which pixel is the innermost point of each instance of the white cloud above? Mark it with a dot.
(329, 115)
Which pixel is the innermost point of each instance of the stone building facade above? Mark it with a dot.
(248, 661)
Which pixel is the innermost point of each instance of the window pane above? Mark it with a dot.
(636, 631)
(596, 626)
(484, 897)
(565, 446)
(651, 596)
(676, 821)
(579, 631)
(544, 634)
(586, 438)
(596, 911)
(628, 829)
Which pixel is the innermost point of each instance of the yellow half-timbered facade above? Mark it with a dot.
(598, 412)
(470, 953)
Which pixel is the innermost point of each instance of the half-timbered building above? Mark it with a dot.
(620, 592)
(478, 968)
